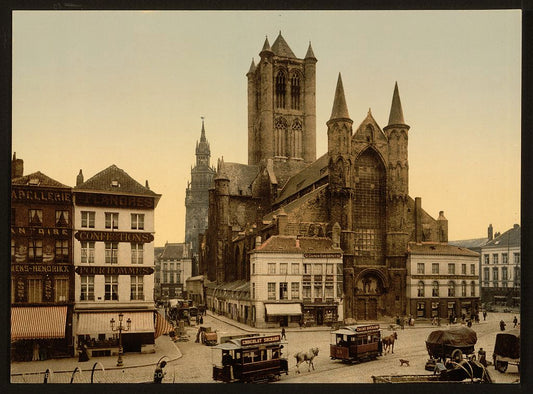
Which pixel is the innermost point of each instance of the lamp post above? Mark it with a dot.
(120, 328)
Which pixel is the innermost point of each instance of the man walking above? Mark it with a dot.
(283, 333)
(515, 321)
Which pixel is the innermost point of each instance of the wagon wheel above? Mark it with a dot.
(501, 366)
(457, 355)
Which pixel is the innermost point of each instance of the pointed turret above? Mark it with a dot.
(252, 67)
(396, 113)
(266, 48)
(310, 54)
(202, 135)
(340, 109)
(281, 48)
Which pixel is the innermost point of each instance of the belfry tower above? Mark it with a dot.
(197, 193)
(281, 105)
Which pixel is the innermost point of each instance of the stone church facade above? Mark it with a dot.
(361, 184)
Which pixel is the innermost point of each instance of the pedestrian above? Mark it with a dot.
(398, 322)
(515, 322)
(469, 323)
(283, 333)
(201, 320)
(158, 373)
(484, 315)
(482, 357)
(502, 325)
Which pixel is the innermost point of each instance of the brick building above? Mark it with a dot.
(42, 271)
(361, 184)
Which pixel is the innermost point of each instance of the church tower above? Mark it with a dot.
(197, 193)
(282, 105)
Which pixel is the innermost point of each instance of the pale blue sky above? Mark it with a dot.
(91, 89)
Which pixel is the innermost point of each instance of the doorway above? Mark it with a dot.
(320, 316)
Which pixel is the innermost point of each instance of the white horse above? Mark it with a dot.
(306, 356)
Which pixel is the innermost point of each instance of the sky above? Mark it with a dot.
(96, 88)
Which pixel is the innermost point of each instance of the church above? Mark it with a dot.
(355, 197)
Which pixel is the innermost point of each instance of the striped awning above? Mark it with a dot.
(38, 322)
(283, 309)
(162, 326)
(99, 322)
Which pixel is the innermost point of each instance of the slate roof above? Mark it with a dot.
(433, 248)
(281, 48)
(295, 204)
(293, 244)
(175, 251)
(511, 237)
(44, 181)
(309, 175)
(396, 113)
(470, 243)
(158, 250)
(241, 176)
(339, 109)
(103, 182)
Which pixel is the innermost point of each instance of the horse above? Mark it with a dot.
(306, 356)
(388, 342)
(466, 369)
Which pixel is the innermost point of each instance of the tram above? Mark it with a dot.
(356, 343)
(252, 359)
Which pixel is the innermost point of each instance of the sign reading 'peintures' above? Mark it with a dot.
(260, 340)
(114, 236)
(115, 201)
(110, 270)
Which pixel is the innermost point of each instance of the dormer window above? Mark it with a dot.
(115, 183)
(34, 182)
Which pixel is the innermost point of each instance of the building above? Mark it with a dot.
(500, 264)
(361, 184)
(42, 270)
(157, 272)
(114, 259)
(197, 196)
(174, 265)
(442, 280)
(195, 289)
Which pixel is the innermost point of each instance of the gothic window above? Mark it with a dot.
(297, 138)
(280, 89)
(280, 131)
(295, 92)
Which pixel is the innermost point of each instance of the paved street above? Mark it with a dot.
(191, 362)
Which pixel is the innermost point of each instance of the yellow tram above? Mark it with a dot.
(251, 359)
(356, 343)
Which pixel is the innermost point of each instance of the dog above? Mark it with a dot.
(402, 362)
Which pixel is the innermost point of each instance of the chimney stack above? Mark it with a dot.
(490, 232)
(79, 178)
(17, 167)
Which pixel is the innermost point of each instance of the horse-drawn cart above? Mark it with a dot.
(507, 350)
(452, 344)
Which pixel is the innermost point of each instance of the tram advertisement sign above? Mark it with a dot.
(372, 327)
(260, 340)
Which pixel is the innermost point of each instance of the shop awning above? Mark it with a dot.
(39, 322)
(98, 322)
(162, 326)
(283, 309)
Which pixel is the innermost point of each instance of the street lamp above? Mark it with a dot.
(120, 328)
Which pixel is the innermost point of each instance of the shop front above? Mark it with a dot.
(320, 314)
(286, 315)
(38, 333)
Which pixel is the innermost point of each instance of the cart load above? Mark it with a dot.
(507, 350)
(452, 343)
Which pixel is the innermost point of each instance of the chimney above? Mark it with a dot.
(282, 222)
(516, 226)
(490, 232)
(418, 219)
(148, 186)
(17, 167)
(257, 241)
(79, 178)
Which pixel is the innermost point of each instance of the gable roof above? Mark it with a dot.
(434, 248)
(175, 251)
(511, 237)
(241, 176)
(470, 243)
(293, 244)
(126, 184)
(41, 180)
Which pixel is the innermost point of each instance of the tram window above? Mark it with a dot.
(247, 357)
(359, 341)
(275, 353)
(237, 356)
(256, 356)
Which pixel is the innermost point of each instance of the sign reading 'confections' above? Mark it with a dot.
(110, 270)
(113, 200)
(114, 236)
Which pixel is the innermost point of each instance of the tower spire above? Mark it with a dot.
(202, 136)
(396, 113)
(310, 54)
(340, 109)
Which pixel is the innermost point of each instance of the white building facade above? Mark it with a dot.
(442, 280)
(174, 267)
(114, 262)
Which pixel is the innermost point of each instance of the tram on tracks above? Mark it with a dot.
(356, 343)
(252, 359)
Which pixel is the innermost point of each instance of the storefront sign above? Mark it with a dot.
(21, 290)
(109, 270)
(47, 293)
(114, 236)
(40, 269)
(260, 340)
(113, 200)
(322, 255)
(372, 327)
(32, 231)
(41, 196)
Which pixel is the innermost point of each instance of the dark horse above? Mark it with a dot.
(388, 342)
(466, 369)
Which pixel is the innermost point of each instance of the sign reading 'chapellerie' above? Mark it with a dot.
(110, 270)
(113, 236)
